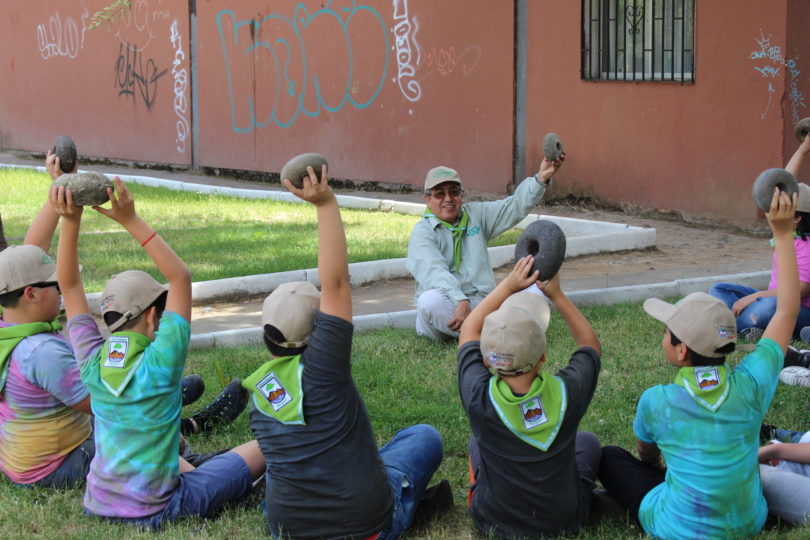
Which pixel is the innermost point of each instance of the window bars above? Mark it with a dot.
(638, 40)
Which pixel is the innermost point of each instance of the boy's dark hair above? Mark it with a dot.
(111, 317)
(698, 359)
(11, 299)
(272, 335)
(803, 226)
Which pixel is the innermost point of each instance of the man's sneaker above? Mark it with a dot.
(751, 333)
(804, 335)
(797, 357)
(767, 433)
(193, 388)
(795, 376)
(223, 410)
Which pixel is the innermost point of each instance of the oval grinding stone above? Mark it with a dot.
(296, 169)
(546, 242)
(552, 146)
(89, 188)
(802, 129)
(65, 150)
(766, 181)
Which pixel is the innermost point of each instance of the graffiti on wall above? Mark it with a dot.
(769, 62)
(414, 65)
(180, 75)
(136, 76)
(59, 37)
(296, 83)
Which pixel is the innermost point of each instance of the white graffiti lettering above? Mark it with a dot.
(403, 38)
(769, 60)
(180, 88)
(57, 38)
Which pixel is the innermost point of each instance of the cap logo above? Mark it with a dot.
(107, 301)
(117, 347)
(272, 389)
(707, 378)
(500, 361)
(533, 413)
(47, 259)
(443, 173)
(726, 332)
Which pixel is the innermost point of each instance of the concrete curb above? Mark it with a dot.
(591, 297)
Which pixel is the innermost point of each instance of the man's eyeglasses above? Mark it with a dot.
(41, 285)
(441, 193)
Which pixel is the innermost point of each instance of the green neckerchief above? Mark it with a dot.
(708, 385)
(10, 337)
(535, 417)
(120, 357)
(277, 390)
(457, 231)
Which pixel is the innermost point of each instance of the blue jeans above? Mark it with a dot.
(411, 458)
(201, 492)
(759, 313)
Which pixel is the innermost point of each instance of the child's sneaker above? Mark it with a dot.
(435, 500)
(804, 335)
(751, 333)
(223, 410)
(193, 388)
(795, 376)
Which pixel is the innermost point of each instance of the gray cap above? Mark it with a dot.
(803, 204)
(701, 321)
(290, 309)
(441, 175)
(129, 293)
(514, 337)
(21, 266)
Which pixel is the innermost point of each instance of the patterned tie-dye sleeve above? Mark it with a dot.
(641, 422)
(84, 336)
(53, 368)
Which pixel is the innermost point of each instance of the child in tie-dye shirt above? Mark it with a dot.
(134, 380)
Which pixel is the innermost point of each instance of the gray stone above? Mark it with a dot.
(766, 181)
(802, 129)
(296, 169)
(552, 146)
(89, 188)
(65, 150)
(544, 240)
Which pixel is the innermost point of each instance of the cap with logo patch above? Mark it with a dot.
(441, 175)
(129, 293)
(290, 309)
(21, 266)
(701, 321)
(513, 337)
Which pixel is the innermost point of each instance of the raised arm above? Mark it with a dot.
(168, 263)
(67, 255)
(780, 219)
(517, 280)
(40, 233)
(578, 325)
(797, 159)
(333, 259)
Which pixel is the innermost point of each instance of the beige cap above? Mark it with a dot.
(21, 266)
(129, 293)
(290, 309)
(441, 175)
(803, 204)
(514, 337)
(701, 321)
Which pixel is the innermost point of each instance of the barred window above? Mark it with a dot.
(638, 40)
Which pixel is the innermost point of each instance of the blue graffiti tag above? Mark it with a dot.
(287, 43)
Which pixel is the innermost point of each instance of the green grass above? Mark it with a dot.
(217, 236)
(406, 379)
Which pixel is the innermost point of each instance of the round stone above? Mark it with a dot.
(546, 242)
(769, 179)
(65, 150)
(802, 129)
(88, 188)
(296, 169)
(552, 146)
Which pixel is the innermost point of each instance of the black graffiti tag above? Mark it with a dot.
(133, 72)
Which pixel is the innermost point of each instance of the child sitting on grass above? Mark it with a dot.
(707, 423)
(325, 476)
(531, 471)
(134, 381)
